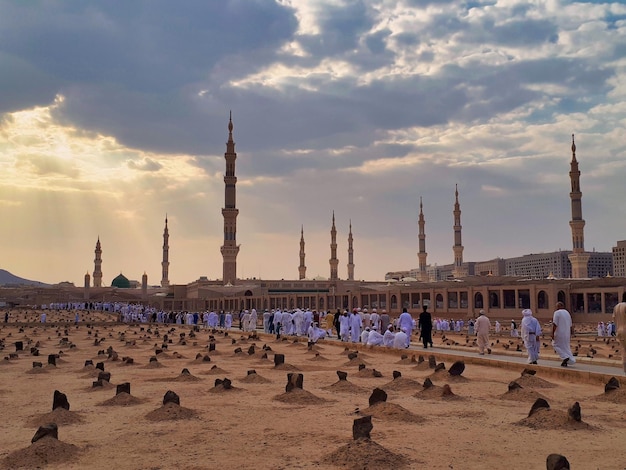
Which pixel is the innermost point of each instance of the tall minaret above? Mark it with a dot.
(86, 286)
(421, 256)
(334, 262)
(350, 255)
(458, 247)
(165, 264)
(230, 249)
(144, 286)
(97, 270)
(578, 258)
(302, 267)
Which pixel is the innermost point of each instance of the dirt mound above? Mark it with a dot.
(532, 381)
(214, 371)
(402, 384)
(60, 416)
(122, 399)
(221, 389)
(407, 360)
(171, 412)
(356, 361)
(299, 397)
(365, 454)
(615, 396)
(41, 453)
(422, 366)
(522, 394)
(255, 379)
(367, 373)
(391, 412)
(546, 418)
(318, 358)
(105, 386)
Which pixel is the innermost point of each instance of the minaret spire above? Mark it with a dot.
(302, 267)
(458, 246)
(97, 270)
(334, 262)
(421, 256)
(578, 258)
(350, 255)
(230, 249)
(165, 264)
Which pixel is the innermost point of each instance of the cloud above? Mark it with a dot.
(46, 165)
(145, 164)
(359, 107)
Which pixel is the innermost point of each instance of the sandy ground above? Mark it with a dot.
(256, 424)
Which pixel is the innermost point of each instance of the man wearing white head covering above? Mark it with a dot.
(374, 338)
(405, 323)
(356, 323)
(401, 339)
(600, 328)
(561, 334)
(482, 327)
(388, 337)
(344, 326)
(531, 331)
(315, 333)
(498, 327)
(375, 320)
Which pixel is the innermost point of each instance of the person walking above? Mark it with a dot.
(482, 327)
(531, 331)
(425, 324)
(562, 334)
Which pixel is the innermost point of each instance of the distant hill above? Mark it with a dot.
(8, 279)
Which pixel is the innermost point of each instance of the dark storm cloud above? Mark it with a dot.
(341, 27)
(158, 76)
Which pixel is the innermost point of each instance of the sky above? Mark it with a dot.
(114, 114)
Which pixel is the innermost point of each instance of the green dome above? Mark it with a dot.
(121, 282)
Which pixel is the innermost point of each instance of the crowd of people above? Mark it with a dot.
(358, 326)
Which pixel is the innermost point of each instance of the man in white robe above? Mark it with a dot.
(278, 315)
(531, 331)
(228, 320)
(601, 328)
(482, 327)
(374, 338)
(344, 326)
(400, 340)
(355, 327)
(375, 320)
(561, 334)
(388, 337)
(498, 327)
(405, 324)
(315, 333)
(365, 334)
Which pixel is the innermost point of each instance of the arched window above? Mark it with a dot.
(355, 302)
(542, 300)
(560, 297)
(439, 301)
(478, 300)
(292, 304)
(321, 303)
(248, 293)
(494, 300)
(394, 301)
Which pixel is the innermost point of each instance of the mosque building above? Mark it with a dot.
(500, 287)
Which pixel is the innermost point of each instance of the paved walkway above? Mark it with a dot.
(596, 369)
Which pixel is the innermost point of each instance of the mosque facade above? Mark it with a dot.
(458, 290)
